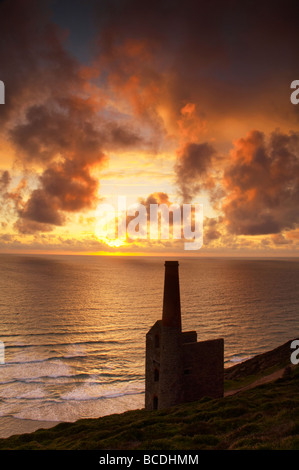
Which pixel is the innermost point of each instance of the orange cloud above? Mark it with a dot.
(262, 184)
(191, 125)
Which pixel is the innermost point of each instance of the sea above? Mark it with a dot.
(72, 328)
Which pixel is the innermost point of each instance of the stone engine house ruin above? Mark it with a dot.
(178, 368)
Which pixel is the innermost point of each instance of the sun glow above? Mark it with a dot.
(105, 229)
(116, 243)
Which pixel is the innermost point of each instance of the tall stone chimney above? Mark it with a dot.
(171, 302)
(171, 378)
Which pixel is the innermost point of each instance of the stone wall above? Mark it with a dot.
(152, 363)
(203, 369)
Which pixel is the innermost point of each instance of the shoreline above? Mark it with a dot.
(23, 426)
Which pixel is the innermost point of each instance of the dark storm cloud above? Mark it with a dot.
(68, 126)
(64, 140)
(71, 184)
(61, 128)
(40, 208)
(33, 60)
(225, 55)
(262, 184)
(49, 117)
(192, 168)
(120, 136)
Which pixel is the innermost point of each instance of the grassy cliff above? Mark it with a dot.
(252, 415)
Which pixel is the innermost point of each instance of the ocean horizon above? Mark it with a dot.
(74, 326)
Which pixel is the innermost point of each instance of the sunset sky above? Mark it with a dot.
(159, 101)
